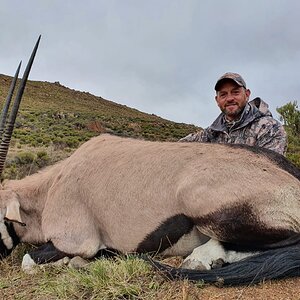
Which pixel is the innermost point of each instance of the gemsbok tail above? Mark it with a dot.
(271, 264)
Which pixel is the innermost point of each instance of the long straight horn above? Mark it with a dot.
(13, 114)
(7, 101)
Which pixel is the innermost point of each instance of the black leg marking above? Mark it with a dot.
(46, 253)
(167, 234)
(290, 241)
(242, 231)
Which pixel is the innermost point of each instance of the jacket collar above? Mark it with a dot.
(254, 109)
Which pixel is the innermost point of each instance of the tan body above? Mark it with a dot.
(113, 192)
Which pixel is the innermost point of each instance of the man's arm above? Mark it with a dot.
(272, 136)
(199, 136)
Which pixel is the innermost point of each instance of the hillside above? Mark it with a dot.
(48, 106)
(54, 118)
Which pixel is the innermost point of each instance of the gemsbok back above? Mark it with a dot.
(232, 211)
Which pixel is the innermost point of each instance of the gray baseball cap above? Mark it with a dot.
(237, 78)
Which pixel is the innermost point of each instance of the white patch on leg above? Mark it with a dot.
(233, 256)
(205, 256)
(185, 244)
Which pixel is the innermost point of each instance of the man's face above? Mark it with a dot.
(232, 98)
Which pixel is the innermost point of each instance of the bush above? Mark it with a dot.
(42, 158)
(290, 115)
(24, 158)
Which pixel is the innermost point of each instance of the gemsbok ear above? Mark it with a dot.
(13, 212)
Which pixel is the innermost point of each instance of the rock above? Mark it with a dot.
(28, 265)
(78, 262)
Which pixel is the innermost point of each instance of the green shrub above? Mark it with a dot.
(290, 115)
(24, 158)
(42, 158)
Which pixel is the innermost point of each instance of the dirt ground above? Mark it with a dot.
(288, 289)
(280, 290)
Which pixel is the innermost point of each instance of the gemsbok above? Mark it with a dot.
(232, 211)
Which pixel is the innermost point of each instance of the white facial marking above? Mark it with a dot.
(5, 237)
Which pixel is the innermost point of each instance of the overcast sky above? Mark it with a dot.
(158, 56)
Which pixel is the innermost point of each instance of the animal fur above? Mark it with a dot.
(139, 196)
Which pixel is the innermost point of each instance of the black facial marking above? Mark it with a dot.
(167, 234)
(46, 253)
(240, 229)
(12, 233)
(275, 157)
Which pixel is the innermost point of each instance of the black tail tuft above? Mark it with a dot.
(272, 264)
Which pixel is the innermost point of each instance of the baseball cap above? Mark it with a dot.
(237, 78)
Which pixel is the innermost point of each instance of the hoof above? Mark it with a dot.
(218, 263)
(193, 265)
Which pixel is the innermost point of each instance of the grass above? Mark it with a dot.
(125, 277)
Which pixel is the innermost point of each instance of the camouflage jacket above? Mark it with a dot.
(256, 127)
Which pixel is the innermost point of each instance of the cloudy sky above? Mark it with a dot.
(158, 56)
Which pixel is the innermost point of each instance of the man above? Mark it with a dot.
(241, 122)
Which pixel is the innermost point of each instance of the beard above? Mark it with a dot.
(233, 114)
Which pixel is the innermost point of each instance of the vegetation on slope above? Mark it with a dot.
(54, 120)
